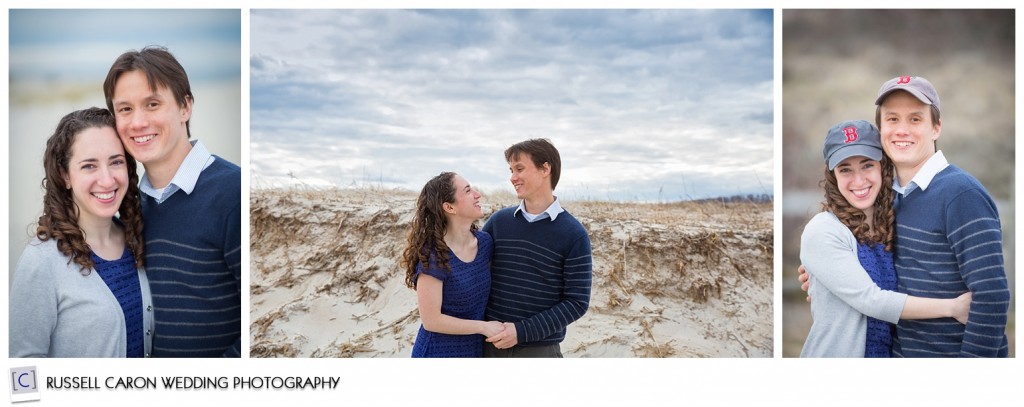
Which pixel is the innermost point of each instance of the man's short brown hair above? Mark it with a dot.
(541, 151)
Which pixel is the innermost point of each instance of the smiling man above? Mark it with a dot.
(541, 271)
(191, 208)
(948, 234)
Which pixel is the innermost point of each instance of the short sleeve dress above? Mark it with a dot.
(463, 295)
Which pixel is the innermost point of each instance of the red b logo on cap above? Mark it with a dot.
(903, 80)
(850, 133)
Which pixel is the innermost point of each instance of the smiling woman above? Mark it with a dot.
(58, 61)
(393, 97)
(848, 252)
(79, 289)
(98, 181)
(971, 65)
(447, 261)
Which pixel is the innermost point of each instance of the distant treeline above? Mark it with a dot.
(754, 198)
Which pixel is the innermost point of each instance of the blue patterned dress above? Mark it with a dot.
(879, 265)
(122, 278)
(464, 295)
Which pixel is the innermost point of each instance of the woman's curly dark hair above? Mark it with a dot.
(60, 213)
(425, 240)
(884, 230)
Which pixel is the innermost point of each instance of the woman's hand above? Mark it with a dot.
(804, 280)
(962, 307)
(491, 328)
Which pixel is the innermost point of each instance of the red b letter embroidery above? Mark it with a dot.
(850, 133)
(903, 80)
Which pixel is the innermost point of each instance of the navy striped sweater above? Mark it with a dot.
(540, 275)
(193, 259)
(948, 241)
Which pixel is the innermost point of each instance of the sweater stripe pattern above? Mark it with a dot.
(948, 242)
(193, 257)
(540, 276)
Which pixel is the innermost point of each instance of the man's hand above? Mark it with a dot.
(804, 279)
(506, 339)
(491, 328)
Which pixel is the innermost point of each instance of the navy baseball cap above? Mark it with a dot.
(850, 139)
(915, 85)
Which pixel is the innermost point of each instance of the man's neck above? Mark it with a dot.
(535, 205)
(906, 173)
(160, 173)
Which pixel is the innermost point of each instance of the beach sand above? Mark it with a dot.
(670, 280)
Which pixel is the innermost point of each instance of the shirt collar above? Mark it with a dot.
(552, 211)
(935, 164)
(186, 177)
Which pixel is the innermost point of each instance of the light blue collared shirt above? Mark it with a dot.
(551, 212)
(924, 176)
(185, 178)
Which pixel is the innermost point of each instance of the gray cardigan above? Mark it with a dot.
(843, 293)
(55, 311)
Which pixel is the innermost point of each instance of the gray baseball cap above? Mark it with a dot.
(915, 85)
(850, 139)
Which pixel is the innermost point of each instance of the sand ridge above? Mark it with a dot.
(670, 280)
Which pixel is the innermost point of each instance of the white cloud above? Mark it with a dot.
(641, 104)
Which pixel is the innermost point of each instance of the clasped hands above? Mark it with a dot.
(501, 334)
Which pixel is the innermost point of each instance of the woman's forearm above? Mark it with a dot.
(926, 308)
(446, 324)
(429, 294)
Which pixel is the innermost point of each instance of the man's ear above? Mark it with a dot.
(546, 168)
(186, 110)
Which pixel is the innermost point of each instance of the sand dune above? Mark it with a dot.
(670, 280)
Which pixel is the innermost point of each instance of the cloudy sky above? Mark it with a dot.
(643, 105)
(72, 45)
